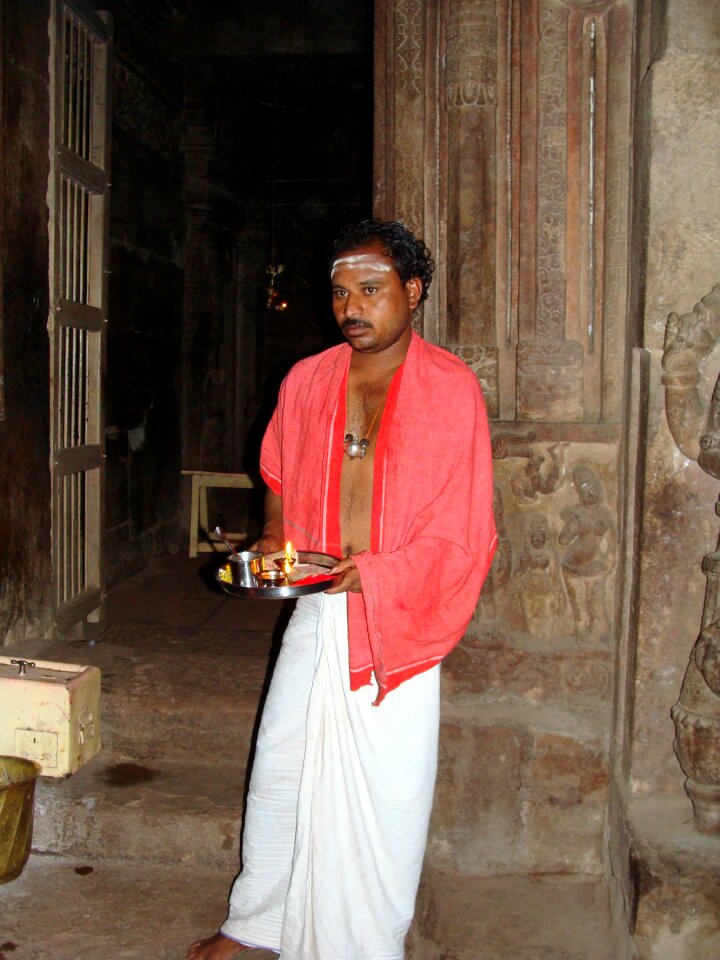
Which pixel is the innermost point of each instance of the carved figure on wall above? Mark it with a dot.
(588, 534)
(689, 341)
(697, 729)
(502, 561)
(542, 596)
(542, 474)
(694, 421)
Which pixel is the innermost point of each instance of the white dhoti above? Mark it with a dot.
(339, 802)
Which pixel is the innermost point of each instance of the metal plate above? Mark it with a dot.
(286, 591)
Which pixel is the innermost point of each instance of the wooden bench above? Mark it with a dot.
(201, 538)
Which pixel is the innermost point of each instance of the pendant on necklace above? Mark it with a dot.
(355, 448)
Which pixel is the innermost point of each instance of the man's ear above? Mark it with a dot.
(414, 289)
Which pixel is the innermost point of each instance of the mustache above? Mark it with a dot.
(352, 322)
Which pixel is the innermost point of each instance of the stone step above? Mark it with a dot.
(64, 908)
(161, 812)
(69, 908)
(511, 918)
(170, 693)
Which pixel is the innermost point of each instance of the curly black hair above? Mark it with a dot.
(410, 255)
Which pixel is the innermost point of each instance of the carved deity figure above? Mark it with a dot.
(541, 474)
(542, 596)
(588, 535)
(694, 421)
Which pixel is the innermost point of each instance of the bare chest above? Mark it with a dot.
(364, 412)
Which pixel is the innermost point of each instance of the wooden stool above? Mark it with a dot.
(201, 480)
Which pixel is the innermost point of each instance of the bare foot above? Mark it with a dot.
(218, 947)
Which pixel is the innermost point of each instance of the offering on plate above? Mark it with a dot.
(281, 575)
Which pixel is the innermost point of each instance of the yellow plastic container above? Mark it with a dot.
(17, 794)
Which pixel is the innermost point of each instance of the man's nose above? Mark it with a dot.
(352, 305)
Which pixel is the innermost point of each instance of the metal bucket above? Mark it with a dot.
(17, 793)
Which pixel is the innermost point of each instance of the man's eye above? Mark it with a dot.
(339, 293)
(370, 289)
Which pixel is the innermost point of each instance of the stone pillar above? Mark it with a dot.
(406, 129)
(471, 52)
(502, 135)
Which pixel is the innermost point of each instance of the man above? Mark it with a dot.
(378, 453)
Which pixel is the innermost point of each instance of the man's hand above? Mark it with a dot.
(271, 539)
(350, 579)
(267, 545)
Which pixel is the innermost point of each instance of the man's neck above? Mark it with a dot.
(377, 365)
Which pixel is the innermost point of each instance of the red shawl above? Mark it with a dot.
(432, 535)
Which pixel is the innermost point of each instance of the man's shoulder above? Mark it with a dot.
(321, 364)
(445, 369)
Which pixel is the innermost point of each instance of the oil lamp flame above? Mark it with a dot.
(290, 557)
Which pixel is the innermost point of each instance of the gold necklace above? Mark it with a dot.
(355, 447)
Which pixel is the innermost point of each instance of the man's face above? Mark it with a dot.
(372, 306)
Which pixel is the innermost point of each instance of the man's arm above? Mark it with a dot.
(272, 535)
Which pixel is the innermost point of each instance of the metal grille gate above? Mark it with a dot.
(78, 203)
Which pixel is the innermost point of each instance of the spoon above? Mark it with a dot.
(221, 533)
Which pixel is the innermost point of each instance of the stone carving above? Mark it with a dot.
(409, 193)
(408, 47)
(588, 535)
(542, 474)
(550, 380)
(697, 729)
(483, 361)
(506, 445)
(409, 112)
(689, 340)
(472, 53)
(694, 422)
(542, 597)
(502, 561)
(586, 677)
(551, 174)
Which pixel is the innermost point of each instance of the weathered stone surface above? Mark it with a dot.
(501, 672)
(61, 906)
(515, 795)
(564, 805)
(680, 526)
(477, 817)
(117, 808)
(676, 896)
(511, 918)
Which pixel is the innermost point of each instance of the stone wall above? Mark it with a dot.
(503, 135)
(668, 872)
(680, 92)
(25, 575)
(516, 174)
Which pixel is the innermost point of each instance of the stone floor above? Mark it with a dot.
(133, 855)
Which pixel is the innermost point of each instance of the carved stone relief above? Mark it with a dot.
(471, 78)
(550, 376)
(409, 112)
(471, 97)
(694, 421)
(483, 363)
(516, 175)
(559, 540)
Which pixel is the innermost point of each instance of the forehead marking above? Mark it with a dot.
(361, 260)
